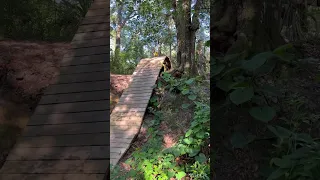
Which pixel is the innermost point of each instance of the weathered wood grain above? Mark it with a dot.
(65, 129)
(67, 118)
(75, 97)
(97, 58)
(60, 153)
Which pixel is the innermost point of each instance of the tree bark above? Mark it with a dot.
(245, 26)
(186, 31)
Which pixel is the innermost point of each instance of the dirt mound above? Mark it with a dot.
(28, 67)
(118, 83)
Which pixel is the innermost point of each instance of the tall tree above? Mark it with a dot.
(125, 10)
(187, 24)
(254, 25)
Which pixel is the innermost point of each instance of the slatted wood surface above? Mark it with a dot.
(67, 138)
(127, 116)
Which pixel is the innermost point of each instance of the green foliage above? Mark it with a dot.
(240, 79)
(151, 161)
(43, 19)
(299, 156)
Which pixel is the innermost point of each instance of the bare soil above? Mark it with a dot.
(118, 83)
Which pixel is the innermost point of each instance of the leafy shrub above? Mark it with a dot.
(151, 161)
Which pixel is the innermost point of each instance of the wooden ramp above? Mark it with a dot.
(67, 138)
(127, 116)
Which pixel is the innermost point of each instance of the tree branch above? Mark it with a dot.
(195, 18)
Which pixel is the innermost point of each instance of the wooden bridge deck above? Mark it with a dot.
(127, 116)
(68, 135)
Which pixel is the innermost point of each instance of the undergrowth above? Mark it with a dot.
(189, 156)
(250, 85)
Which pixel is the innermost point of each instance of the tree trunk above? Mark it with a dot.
(170, 51)
(186, 31)
(245, 26)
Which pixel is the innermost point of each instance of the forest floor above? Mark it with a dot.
(298, 110)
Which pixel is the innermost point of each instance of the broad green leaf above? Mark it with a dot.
(231, 71)
(193, 152)
(224, 85)
(185, 91)
(264, 114)
(217, 69)
(192, 97)
(180, 175)
(200, 135)
(231, 57)
(240, 85)
(282, 49)
(257, 61)
(240, 96)
(185, 106)
(201, 158)
(188, 133)
(190, 81)
(304, 138)
(266, 68)
(282, 163)
(188, 140)
(277, 174)
(280, 131)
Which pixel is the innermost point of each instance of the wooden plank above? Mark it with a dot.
(55, 166)
(74, 97)
(92, 27)
(73, 107)
(141, 85)
(97, 12)
(65, 140)
(130, 110)
(84, 77)
(87, 51)
(128, 121)
(133, 101)
(81, 117)
(99, 5)
(77, 87)
(96, 20)
(91, 35)
(129, 106)
(60, 153)
(136, 95)
(128, 114)
(65, 129)
(123, 135)
(136, 89)
(52, 176)
(84, 68)
(97, 58)
(90, 43)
